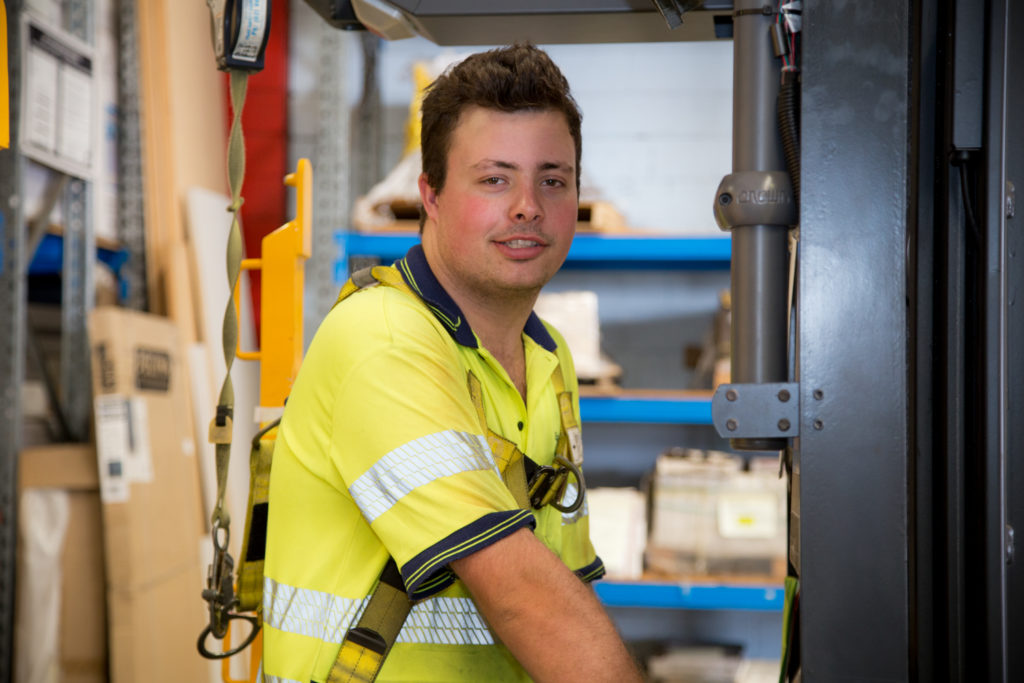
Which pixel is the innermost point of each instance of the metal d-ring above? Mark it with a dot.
(235, 650)
(581, 486)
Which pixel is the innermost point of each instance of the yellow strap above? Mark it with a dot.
(506, 454)
(254, 545)
(366, 646)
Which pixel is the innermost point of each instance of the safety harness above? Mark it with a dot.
(367, 644)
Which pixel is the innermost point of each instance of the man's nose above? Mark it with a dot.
(527, 206)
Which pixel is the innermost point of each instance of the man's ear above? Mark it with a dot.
(428, 196)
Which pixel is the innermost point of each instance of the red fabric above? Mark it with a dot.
(265, 125)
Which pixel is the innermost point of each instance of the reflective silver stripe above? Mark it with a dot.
(307, 612)
(451, 621)
(446, 621)
(416, 464)
(570, 496)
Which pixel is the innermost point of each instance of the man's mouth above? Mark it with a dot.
(521, 244)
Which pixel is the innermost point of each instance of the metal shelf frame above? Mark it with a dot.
(12, 340)
(641, 410)
(588, 251)
(77, 298)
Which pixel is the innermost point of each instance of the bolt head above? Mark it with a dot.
(783, 395)
(730, 395)
(783, 425)
(731, 425)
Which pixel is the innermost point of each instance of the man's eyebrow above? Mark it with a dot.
(543, 166)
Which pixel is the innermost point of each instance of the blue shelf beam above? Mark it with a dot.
(691, 411)
(690, 596)
(49, 260)
(588, 251)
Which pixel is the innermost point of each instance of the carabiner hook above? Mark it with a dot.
(220, 595)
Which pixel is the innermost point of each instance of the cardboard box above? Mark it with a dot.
(82, 635)
(149, 489)
(709, 516)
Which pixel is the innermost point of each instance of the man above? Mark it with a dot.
(425, 406)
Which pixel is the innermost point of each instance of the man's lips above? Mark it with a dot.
(521, 244)
(521, 247)
(523, 241)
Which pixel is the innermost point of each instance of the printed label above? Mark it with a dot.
(111, 446)
(747, 515)
(122, 445)
(152, 369)
(251, 26)
(106, 367)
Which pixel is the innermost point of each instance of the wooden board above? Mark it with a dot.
(183, 110)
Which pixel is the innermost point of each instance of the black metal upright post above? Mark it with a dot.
(854, 453)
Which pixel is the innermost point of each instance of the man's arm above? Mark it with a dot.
(550, 620)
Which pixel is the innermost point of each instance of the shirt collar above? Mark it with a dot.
(417, 274)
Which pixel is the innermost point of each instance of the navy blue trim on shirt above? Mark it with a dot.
(428, 573)
(421, 279)
(592, 572)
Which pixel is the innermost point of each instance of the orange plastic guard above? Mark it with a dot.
(246, 264)
(5, 93)
(284, 254)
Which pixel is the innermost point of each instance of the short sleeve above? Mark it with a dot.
(407, 442)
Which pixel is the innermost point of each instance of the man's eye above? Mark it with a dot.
(553, 182)
(493, 180)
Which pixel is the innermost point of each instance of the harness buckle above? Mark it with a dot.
(547, 485)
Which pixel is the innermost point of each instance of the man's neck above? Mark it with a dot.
(498, 322)
(498, 325)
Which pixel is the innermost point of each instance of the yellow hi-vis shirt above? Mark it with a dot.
(381, 452)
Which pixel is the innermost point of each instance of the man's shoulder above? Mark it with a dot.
(378, 314)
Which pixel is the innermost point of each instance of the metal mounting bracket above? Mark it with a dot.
(757, 411)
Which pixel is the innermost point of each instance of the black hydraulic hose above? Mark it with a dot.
(788, 110)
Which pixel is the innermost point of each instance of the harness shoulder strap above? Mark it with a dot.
(508, 457)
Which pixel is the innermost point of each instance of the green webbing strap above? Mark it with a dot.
(220, 428)
(220, 592)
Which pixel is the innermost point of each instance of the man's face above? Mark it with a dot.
(503, 223)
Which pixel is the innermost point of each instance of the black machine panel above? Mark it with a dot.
(470, 22)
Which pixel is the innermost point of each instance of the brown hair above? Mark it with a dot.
(520, 77)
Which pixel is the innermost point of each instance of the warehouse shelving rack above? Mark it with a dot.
(74, 255)
(622, 251)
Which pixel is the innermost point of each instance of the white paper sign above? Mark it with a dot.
(57, 99)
